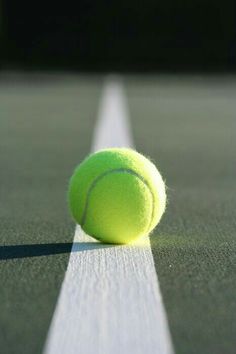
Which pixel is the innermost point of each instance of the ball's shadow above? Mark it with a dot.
(46, 249)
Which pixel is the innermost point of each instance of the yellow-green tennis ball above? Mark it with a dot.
(117, 195)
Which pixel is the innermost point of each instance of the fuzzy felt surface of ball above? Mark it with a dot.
(117, 195)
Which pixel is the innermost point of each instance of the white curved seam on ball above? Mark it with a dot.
(117, 170)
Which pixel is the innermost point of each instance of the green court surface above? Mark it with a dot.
(187, 126)
(189, 129)
(46, 128)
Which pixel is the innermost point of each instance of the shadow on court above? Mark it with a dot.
(37, 250)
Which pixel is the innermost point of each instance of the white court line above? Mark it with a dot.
(113, 125)
(110, 301)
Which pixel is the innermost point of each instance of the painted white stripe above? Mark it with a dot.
(110, 300)
(113, 126)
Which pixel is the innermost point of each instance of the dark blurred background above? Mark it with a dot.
(124, 35)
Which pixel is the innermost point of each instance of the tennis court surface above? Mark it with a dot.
(61, 292)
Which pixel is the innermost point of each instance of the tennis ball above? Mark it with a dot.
(117, 195)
